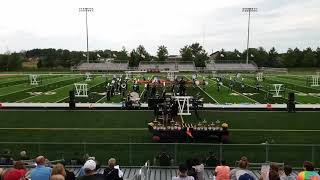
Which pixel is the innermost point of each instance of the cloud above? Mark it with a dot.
(174, 23)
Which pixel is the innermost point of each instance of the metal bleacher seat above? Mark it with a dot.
(156, 173)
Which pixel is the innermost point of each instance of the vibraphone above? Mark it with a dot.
(181, 132)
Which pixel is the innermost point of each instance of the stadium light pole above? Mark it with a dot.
(86, 10)
(249, 10)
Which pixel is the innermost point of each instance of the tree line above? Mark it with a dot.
(63, 58)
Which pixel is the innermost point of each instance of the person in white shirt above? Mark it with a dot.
(182, 174)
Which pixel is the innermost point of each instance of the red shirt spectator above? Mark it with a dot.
(16, 173)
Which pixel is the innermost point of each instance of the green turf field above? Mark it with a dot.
(93, 131)
(56, 87)
(124, 134)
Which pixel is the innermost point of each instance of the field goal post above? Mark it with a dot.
(88, 76)
(81, 90)
(276, 90)
(183, 105)
(171, 75)
(34, 79)
(259, 76)
(315, 80)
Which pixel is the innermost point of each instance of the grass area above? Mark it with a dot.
(96, 127)
(54, 88)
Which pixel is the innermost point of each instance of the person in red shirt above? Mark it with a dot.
(222, 172)
(17, 172)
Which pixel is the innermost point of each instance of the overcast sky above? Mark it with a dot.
(215, 24)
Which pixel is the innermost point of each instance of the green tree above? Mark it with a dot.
(309, 58)
(272, 58)
(186, 53)
(162, 53)
(134, 58)
(318, 56)
(122, 55)
(143, 54)
(14, 61)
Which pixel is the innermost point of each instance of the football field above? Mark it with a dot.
(274, 89)
(268, 135)
(124, 135)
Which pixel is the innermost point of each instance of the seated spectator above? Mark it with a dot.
(287, 173)
(112, 172)
(164, 159)
(17, 172)
(191, 170)
(241, 172)
(274, 172)
(40, 172)
(57, 177)
(90, 171)
(309, 173)
(211, 160)
(58, 169)
(222, 172)
(23, 155)
(69, 175)
(81, 173)
(183, 174)
(274, 175)
(199, 169)
(6, 157)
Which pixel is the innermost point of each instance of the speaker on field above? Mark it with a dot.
(291, 105)
(291, 97)
(72, 100)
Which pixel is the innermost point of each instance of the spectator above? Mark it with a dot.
(222, 172)
(6, 157)
(211, 160)
(69, 175)
(58, 169)
(199, 169)
(17, 172)
(191, 170)
(23, 155)
(308, 172)
(89, 170)
(274, 172)
(81, 173)
(57, 177)
(287, 173)
(241, 172)
(112, 172)
(40, 172)
(164, 159)
(183, 174)
(274, 175)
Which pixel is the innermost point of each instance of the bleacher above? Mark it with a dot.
(231, 66)
(106, 66)
(168, 66)
(154, 173)
(186, 67)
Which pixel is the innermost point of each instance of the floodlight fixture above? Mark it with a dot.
(86, 10)
(249, 10)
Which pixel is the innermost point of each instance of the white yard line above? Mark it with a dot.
(68, 96)
(36, 86)
(239, 93)
(205, 92)
(261, 89)
(286, 82)
(42, 94)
